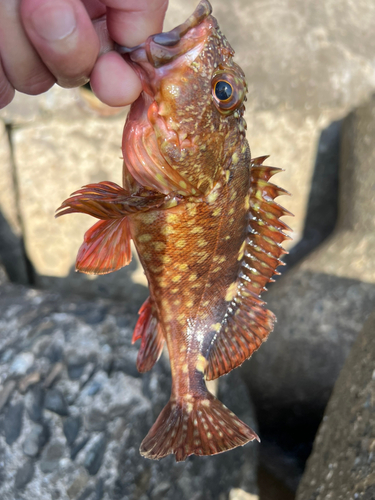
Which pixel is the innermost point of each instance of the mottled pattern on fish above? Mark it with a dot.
(205, 224)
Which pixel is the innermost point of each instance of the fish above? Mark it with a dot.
(203, 218)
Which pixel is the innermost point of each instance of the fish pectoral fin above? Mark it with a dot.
(149, 330)
(250, 323)
(200, 426)
(241, 335)
(106, 247)
(107, 200)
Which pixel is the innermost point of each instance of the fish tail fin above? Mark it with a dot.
(195, 425)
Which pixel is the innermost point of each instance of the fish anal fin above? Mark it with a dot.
(249, 322)
(200, 426)
(106, 247)
(151, 334)
(241, 334)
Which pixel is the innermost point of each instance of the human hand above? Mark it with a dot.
(69, 41)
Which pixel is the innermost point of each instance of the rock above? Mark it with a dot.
(342, 464)
(12, 254)
(13, 422)
(72, 426)
(24, 475)
(93, 453)
(36, 439)
(78, 484)
(35, 404)
(321, 304)
(51, 456)
(6, 392)
(55, 401)
(22, 363)
(3, 275)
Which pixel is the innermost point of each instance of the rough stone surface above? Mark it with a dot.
(321, 304)
(354, 239)
(93, 452)
(342, 464)
(11, 245)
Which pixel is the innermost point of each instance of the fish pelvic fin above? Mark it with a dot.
(250, 323)
(106, 245)
(150, 332)
(195, 425)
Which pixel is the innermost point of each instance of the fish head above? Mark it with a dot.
(189, 116)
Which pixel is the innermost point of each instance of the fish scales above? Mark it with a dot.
(191, 268)
(206, 227)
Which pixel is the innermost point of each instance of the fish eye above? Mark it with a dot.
(228, 91)
(223, 90)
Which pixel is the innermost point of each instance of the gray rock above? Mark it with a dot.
(24, 475)
(35, 439)
(55, 401)
(321, 304)
(13, 422)
(342, 464)
(51, 456)
(95, 455)
(35, 404)
(92, 461)
(71, 429)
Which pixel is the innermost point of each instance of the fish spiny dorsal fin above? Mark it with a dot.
(248, 323)
(150, 332)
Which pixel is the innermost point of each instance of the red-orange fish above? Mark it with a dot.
(205, 224)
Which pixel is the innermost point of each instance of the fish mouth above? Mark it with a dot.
(163, 48)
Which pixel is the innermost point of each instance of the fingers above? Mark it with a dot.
(129, 23)
(63, 35)
(114, 82)
(132, 21)
(22, 65)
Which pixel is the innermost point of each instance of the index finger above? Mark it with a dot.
(130, 22)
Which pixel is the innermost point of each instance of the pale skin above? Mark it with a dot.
(69, 42)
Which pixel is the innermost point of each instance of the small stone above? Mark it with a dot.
(35, 440)
(51, 456)
(96, 420)
(158, 493)
(28, 380)
(95, 455)
(71, 428)
(78, 447)
(53, 374)
(24, 475)
(36, 403)
(55, 402)
(87, 374)
(78, 484)
(99, 490)
(22, 363)
(6, 391)
(75, 371)
(13, 422)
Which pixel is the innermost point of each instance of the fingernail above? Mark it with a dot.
(54, 20)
